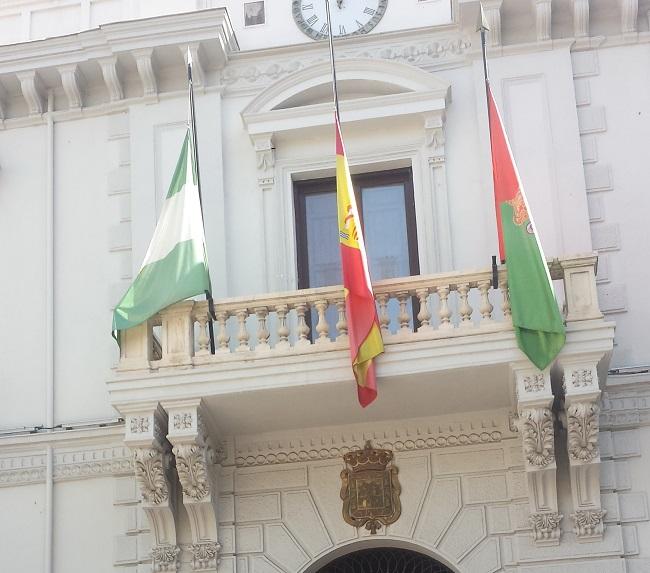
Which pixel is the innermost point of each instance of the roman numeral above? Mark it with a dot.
(307, 6)
(324, 30)
(312, 19)
(341, 29)
(369, 11)
(359, 24)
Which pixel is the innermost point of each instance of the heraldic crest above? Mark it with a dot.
(370, 489)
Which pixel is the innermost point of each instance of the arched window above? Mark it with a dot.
(384, 560)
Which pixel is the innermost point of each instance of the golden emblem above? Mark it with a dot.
(519, 211)
(370, 489)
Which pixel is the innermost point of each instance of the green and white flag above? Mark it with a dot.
(176, 264)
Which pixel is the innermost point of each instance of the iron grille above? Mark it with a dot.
(385, 560)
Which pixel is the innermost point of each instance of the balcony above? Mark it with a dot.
(282, 363)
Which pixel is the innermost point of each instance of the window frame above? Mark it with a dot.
(303, 188)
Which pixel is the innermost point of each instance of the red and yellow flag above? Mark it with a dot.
(363, 326)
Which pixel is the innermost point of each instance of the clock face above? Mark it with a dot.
(349, 17)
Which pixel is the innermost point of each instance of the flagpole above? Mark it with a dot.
(208, 294)
(482, 28)
(331, 42)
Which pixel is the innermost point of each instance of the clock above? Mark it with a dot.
(349, 17)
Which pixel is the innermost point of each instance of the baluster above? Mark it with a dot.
(486, 307)
(424, 316)
(465, 309)
(223, 338)
(443, 312)
(283, 329)
(242, 335)
(323, 328)
(505, 298)
(342, 324)
(262, 331)
(384, 319)
(404, 317)
(204, 339)
(303, 329)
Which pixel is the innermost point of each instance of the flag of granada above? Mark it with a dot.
(363, 326)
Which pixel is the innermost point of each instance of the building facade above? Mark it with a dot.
(163, 456)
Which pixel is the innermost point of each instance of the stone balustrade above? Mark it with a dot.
(314, 320)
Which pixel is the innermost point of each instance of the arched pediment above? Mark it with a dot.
(368, 88)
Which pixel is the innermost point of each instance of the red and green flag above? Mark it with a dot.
(363, 327)
(535, 314)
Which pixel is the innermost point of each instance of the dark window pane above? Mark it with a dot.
(322, 240)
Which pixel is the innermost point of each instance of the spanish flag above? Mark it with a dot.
(363, 326)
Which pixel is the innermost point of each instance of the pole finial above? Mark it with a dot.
(481, 22)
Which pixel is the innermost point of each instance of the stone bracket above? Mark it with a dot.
(196, 460)
(145, 435)
(265, 159)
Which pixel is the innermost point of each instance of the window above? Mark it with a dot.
(387, 210)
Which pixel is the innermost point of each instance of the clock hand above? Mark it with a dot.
(339, 3)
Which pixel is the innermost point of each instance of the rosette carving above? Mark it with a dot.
(582, 423)
(191, 465)
(164, 557)
(204, 555)
(537, 432)
(150, 474)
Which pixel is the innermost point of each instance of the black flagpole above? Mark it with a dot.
(329, 35)
(208, 294)
(483, 27)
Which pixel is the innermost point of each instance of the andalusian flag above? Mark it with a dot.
(535, 314)
(176, 265)
(363, 326)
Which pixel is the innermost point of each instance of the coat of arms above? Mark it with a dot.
(370, 489)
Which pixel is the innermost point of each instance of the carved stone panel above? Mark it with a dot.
(537, 434)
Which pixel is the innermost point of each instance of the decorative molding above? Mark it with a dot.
(538, 439)
(546, 526)
(165, 557)
(582, 431)
(543, 19)
(150, 474)
(629, 14)
(111, 78)
(144, 62)
(581, 378)
(425, 437)
(71, 81)
(589, 523)
(534, 383)
(191, 465)
(32, 89)
(580, 18)
(205, 555)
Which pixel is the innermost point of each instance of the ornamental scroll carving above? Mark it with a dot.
(582, 422)
(164, 557)
(537, 432)
(191, 465)
(150, 474)
(534, 383)
(205, 555)
(581, 378)
(546, 526)
(589, 522)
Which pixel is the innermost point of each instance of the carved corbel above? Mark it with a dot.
(144, 62)
(536, 425)
(32, 90)
(154, 474)
(581, 18)
(543, 19)
(492, 9)
(434, 138)
(629, 14)
(265, 159)
(582, 410)
(198, 76)
(71, 81)
(196, 464)
(111, 78)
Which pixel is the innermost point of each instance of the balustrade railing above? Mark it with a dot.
(314, 320)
